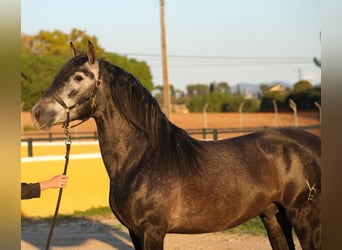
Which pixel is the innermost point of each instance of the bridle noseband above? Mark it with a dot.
(91, 98)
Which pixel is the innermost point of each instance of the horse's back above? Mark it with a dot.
(269, 143)
(304, 138)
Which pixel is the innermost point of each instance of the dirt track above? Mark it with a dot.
(106, 233)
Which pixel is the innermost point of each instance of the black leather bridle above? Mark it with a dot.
(91, 98)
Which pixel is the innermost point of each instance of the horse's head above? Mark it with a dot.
(72, 94)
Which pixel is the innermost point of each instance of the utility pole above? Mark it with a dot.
(166, 95)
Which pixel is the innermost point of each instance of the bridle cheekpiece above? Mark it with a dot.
(67, 109)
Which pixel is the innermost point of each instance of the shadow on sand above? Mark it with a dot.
(75, 233)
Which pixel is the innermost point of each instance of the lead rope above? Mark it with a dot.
(68, 146)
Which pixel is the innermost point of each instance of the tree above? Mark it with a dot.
(238, 91)
(177, 95)
(194, 90)
(43, 55)
(221, 87)
(264, 88)
(304, 95)
(158, 93)
(53, 42)
(302, 86)
(139, 69)
(37, 73)
(218, 102)
(273, 92)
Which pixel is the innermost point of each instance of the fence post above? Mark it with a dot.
(205, 121)
(95, 136)
(50, 137)
(241, 116)
(293, 106)
(215, 134)
(29, 147)
(204, 133)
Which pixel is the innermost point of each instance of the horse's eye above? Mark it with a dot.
(78, 78)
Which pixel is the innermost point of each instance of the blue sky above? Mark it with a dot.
(218, 40)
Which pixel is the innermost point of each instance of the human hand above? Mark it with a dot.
(58, 181)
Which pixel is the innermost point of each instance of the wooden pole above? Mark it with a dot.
(166, 95)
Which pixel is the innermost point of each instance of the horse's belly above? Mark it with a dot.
(210, 218)
(220, 208)
(207, 224)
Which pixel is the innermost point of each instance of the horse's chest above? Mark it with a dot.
(134, 204)
(120, 204)
(124, 201)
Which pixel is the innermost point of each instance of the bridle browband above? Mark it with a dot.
(67, 108)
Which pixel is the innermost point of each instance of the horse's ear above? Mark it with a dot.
(91, 53)
(74, 51)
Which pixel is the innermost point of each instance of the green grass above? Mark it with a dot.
(93, 211)
(28, 128)
(99, 211)
(251, 227)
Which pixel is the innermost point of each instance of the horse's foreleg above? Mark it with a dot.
(135, 240)
(279, 230)
(150, 237)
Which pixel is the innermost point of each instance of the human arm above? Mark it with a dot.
(58, 181)
(33, 190)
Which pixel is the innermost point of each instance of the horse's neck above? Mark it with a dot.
(118, 141)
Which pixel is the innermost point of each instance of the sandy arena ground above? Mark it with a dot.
(106, 233)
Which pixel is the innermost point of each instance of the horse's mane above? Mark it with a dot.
(172, 147)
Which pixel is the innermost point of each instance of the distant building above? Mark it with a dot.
(276, 88)
(179, 109)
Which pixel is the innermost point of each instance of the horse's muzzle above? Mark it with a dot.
(43, 118)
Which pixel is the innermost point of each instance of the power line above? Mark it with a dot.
(216, 57)
(220, 61)
(226, 64)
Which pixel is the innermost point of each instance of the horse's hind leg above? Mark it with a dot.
(307, 225)
(278, 228)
